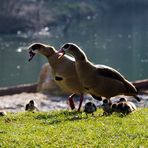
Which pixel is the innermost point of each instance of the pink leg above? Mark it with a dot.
(71, 102)
(81, 100)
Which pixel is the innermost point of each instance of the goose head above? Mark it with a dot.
(73, 50)
(40, 48)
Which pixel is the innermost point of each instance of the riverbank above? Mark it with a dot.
(14, 99)
(44, 102)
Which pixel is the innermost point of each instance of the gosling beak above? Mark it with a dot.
(31, 54)
(61, 53)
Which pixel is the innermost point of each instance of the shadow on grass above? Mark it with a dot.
(53, 117)
(63, 116)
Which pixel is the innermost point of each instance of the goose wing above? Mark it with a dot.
(109, 72)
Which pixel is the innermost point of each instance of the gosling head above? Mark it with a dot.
(31, 102)
(122, 100)
(30, 106)
(107, 102)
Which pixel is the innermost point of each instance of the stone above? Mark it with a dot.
(46, 83)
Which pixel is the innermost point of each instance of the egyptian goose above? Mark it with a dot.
(65, 76)
(90, 108)
(99, 80)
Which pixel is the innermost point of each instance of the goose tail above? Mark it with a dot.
(131, 90)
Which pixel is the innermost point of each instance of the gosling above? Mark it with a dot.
(31, 106)
(123, 106)
(90, 108)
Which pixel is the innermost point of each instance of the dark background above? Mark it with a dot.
(111, 32)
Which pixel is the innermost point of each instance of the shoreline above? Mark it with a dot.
(141, 85)
(14, 99)
(44, 102)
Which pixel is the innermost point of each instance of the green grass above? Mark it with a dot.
(72, 129)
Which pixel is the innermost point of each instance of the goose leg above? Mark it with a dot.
(81, 100)
(71, 102)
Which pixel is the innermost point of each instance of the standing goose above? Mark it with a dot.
(99, 80)
(65, 77)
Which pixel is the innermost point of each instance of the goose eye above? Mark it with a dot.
(66, 46)
(35, 50)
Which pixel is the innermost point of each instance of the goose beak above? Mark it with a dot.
(31, 54)
(61, 53)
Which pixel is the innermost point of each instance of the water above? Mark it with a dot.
(14, 66)
(111, 33)
(124, 51)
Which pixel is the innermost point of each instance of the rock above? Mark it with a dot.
(46, 83)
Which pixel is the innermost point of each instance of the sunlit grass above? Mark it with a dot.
(72, 129)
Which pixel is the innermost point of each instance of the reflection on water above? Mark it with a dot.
(120, 51)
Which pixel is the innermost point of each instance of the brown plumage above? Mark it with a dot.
(99, 80)
(125, 106)
(65, 76)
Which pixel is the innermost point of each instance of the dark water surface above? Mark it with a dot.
(114, 33)
(122, 51)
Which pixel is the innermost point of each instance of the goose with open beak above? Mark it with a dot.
(65, 76)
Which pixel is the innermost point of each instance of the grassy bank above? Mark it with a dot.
(71, 129)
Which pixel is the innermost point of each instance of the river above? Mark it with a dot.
(122, 51)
